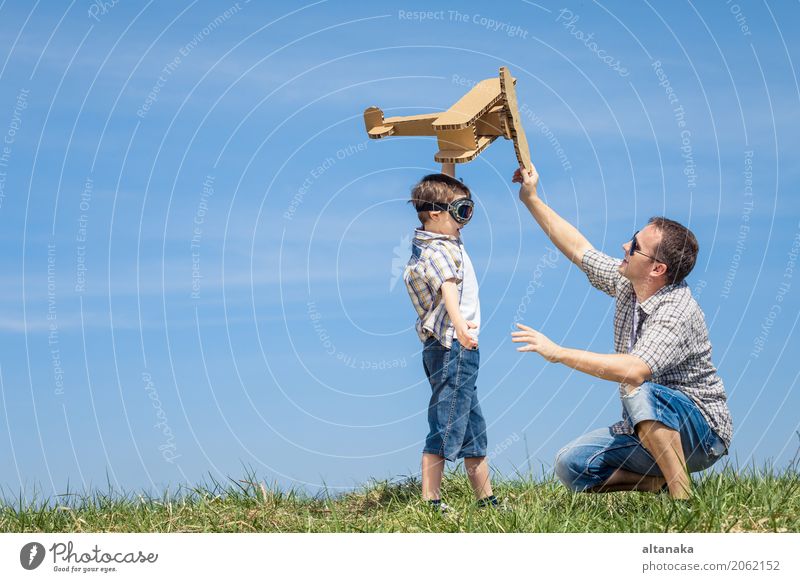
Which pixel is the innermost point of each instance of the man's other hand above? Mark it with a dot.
(535, 342)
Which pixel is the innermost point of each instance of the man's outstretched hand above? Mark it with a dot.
(529, 184)
(535, 342)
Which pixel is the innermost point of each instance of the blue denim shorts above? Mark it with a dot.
(457, 428)
(590, 460)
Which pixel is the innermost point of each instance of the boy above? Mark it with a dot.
(444, 290)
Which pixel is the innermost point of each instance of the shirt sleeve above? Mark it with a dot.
(602, 271)
(444, 263)
(664, 341)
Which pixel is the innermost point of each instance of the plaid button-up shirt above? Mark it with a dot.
(671, 338)
(435, 258)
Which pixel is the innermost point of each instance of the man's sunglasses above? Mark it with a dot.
(460, 209)
(635, 248)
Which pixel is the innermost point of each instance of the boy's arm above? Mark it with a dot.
(461, 325)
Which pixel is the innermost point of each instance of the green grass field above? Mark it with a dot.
(752, 500)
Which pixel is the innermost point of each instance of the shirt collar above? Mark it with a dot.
(423, 236)
(649, 304)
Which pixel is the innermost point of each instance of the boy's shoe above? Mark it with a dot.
(439, 506)
(492, 502)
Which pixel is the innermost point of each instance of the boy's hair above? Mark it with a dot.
(439, 188)
(678, 248)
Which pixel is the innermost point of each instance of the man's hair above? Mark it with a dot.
(439, 188)
(678, 248)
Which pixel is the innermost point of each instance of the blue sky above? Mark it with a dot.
(202, 247)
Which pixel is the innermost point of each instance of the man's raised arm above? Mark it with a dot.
(566, 237)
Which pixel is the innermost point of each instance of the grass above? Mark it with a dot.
(752, 500)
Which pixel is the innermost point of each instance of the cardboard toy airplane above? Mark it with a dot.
(486, 112)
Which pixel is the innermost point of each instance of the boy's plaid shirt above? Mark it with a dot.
(435, 258)
(672, 339)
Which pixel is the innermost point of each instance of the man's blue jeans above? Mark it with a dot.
(589, 460)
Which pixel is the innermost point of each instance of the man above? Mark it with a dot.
(675, 417)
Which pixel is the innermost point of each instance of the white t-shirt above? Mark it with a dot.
(470, 305)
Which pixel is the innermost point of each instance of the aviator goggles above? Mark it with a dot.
(460, 209)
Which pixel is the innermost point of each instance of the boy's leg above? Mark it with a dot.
(454, 429)
(435, 359)
(449, 409)
(432, 470)
(473, 449)
(478, 472)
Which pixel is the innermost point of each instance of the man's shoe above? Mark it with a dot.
(665, 491)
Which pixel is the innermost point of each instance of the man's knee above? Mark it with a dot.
(570, 467)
